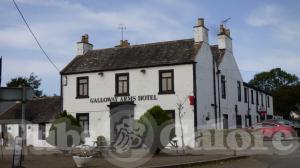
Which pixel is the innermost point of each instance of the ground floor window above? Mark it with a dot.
(171, 114)
(225, 121)
(42, 131)
(248, 120)
(238, 121)
(83, 119)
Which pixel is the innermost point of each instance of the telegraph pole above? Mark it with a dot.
(23, 119)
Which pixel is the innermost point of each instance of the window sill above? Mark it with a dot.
(82, 97)
(122, 94)
(169, 92)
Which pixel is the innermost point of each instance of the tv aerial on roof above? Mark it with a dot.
(224, 22)
(122, 27)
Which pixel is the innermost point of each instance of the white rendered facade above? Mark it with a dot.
(201, 79)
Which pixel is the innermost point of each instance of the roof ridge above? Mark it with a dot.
(145, 44)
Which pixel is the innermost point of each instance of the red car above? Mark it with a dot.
(274, 130)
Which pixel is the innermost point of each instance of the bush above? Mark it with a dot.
(65, 132)
(157, 119)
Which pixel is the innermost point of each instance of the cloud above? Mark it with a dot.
(65, 19)
(58, 25)
(265, 16)
(283, 26)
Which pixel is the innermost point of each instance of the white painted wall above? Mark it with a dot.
(140, 84)
(229, 68)
(33, 136)
(13, 132)
(205, 89)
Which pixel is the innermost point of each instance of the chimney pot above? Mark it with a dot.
(84, 46)
(200, 32)
(85, 38)
(224, 39)
(222, 29)
(200, 22)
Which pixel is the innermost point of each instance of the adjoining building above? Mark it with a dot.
(39, 115)
(204, 78)
(295, 114)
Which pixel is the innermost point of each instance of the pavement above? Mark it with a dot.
(39, 159)
(272, 157)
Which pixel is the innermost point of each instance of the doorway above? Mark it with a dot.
(121, 123)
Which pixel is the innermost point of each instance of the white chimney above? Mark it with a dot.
(84, 46)
(224, 39)
(200, 32)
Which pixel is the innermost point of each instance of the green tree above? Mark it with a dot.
(285, 100)
(274, 79)
(157, 119)
(32, 81)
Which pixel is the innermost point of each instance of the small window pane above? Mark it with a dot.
(120, 87)
(85, 90)
(169, 84)
(122, 77)
(164, 84)
(125, 87)
(82, 81)
(167, 74)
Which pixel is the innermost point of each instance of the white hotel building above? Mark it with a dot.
(204, 78)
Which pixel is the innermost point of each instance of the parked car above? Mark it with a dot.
(274, 130)
(294, 124)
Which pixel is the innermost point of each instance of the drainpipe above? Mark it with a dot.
(215, 94)
(219, 97)
(266, 97)
(61, 93)
(248, 110)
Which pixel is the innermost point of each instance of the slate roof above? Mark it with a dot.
(4, 106)
(42, 110)
(256, 88)
(135, 56)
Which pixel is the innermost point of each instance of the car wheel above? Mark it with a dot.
(278, 136)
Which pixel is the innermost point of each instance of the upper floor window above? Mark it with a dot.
(239, 89)
(262, 99)
(252, 97)
(245, 94)
(122, 84)
(166, 81)
(268, 99)
(83, 119)
(83, 87)
(223, 86)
